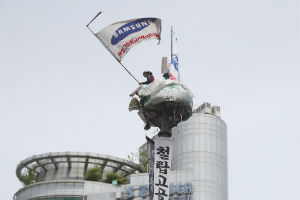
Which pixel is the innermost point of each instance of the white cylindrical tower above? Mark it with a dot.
(200, 145)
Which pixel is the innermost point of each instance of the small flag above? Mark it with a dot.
(121, 36)
(173, 65)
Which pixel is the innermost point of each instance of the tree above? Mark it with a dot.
(133, 156)
(93, 174)
(29, 177)
(143, 159)
(112, 176)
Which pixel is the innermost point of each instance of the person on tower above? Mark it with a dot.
(166, 76)
(149, 76)
(150, 79)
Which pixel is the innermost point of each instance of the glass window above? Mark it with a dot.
(63, 198)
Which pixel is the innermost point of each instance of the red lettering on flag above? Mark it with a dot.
(134, 41)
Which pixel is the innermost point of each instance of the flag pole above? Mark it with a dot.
(108, 48)
(171, 41)
(94, 18)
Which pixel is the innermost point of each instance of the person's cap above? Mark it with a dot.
(147, 72)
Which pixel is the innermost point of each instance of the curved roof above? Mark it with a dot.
(54, 159)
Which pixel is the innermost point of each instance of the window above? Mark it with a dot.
(63, 198)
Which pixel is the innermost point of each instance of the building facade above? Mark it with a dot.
(198, 169)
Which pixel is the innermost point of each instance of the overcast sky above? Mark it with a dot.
(61, 90)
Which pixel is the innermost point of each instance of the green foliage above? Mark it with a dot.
(112, 176)
(93, 174)
(29, 177)
(143, 158)
(133, 157)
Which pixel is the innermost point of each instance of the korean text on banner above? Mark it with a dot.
(150, 149)
(162, 167)
(121, 36)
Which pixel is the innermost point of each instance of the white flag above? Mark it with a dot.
(121, 36)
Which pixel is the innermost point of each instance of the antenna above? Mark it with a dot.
(171, 41)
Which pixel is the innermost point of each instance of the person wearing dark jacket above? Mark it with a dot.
(150, 79)
(149, 76)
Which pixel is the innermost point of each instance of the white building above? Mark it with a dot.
(199, 167)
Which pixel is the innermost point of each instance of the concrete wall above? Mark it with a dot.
(200, 145)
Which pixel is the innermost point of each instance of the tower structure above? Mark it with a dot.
(198, 169)
(200, 146)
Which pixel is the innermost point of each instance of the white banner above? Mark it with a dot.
(150, 149)
(121, 36)
(162, 167)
